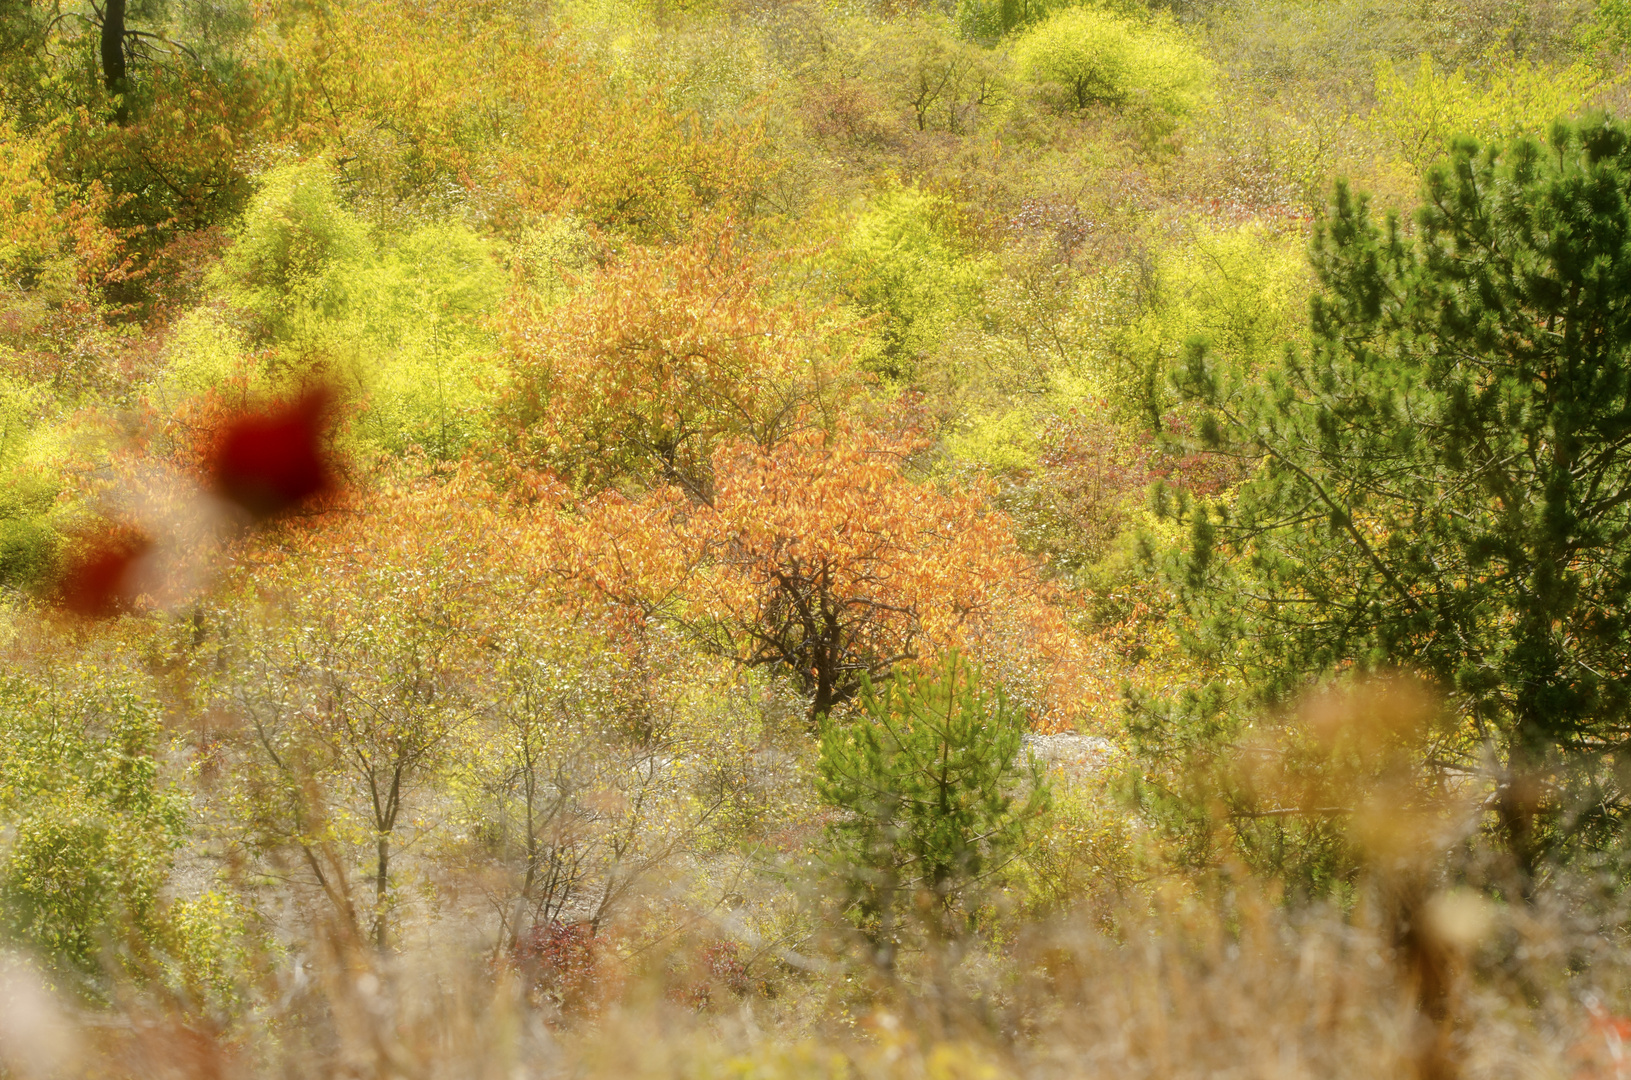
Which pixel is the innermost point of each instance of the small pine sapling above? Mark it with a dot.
(934, 798)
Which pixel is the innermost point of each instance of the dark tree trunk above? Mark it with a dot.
(382, 885)
(113, 55)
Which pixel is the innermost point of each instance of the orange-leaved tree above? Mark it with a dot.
(42, 219)
(820, 559)
(661, 358)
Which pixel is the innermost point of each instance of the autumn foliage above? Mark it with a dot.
(662, 357)
(818, 559)
(469, 104)
(709, 537)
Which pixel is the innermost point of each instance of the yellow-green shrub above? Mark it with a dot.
(699, 64)
(286, 265)
(910, 269)
(938, 82)
(90, 825)
(1244, 289)
(398, 322)
(1089, 849)
(1417, 117)
(987, 20)
(1082, 57)
(212, 943)
(419, 339)
(28, 484)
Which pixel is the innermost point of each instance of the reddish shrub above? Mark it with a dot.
(717, 966)
(558, 961)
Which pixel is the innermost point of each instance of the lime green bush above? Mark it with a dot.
(1417, 117)
(1243, 289)
(1081, 57)
(212, 942)
(288, 260)
(911, 271)
(419, 343)
(939, 82)
(1087, 850)
(988, 20)
(399, 323)
(206, 352)
(1610, 27)
(28, 540)
(702, 63)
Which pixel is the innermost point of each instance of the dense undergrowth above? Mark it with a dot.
(619, 538)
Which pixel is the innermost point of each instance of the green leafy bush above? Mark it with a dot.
(1244, 289)
(987, 20)
(28, 543)
(90, 825)
(419, 341)
(399, 323)
(1083, 57)
(286, 264)
(213, 940)
(913, 271)
(940, 82)
(28, 540)
(1418, 117)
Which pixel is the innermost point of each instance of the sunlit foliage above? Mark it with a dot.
(92, 826)
(661, 358)
(400, 324)
(819, 560)
(471, 110)
(1085, 56)
(547, 536)
(912, 269)
(1419, 114)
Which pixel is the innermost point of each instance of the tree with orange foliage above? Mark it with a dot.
(43, 220)
(661, 358)
(819, 558)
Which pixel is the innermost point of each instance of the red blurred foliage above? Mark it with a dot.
(102, 580)
(560, 965)
(271, 462)
(1605, 1051)
(717, 965)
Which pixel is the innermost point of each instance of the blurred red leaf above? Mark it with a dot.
(102, 581)
(272, 461)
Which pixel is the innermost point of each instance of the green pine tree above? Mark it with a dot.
(1442, 481)
(934, 798)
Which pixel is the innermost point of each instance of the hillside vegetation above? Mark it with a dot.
(825, 538)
